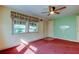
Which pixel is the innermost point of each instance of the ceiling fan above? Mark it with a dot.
(53, 10)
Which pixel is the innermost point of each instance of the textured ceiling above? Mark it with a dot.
(37, 9)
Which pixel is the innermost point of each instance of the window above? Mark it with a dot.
(23, 23)
(33, 26)
(19, 26)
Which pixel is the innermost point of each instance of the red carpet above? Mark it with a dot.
(44, 46)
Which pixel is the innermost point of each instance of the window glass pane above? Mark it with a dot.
(19, 28)
(33, 27)
(19, 25)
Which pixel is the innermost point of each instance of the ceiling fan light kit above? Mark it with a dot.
(51, 12)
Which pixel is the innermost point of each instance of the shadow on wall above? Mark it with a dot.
(2, 44)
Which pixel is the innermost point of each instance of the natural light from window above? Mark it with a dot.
(20, 47)
(30, 50)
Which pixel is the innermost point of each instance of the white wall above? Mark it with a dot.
(78, 28)
(6, 31)
(2, 41)
(50, 28)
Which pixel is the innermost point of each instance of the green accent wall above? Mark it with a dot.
(65, 27)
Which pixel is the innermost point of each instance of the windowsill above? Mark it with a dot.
(23, 33)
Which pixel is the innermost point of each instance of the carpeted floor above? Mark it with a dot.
(45, 46)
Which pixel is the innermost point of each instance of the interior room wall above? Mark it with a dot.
(65, 27)
(6, 25)
(7, 38)
(50, 28)
(2, 41)
(77, 28)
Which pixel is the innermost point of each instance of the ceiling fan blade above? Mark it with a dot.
(60, 8)
(44, 12)
(48, 14)
(56, 12)
(49, 7)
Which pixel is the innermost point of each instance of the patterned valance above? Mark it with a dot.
(22, 16)
(33, 19)
(18, 15)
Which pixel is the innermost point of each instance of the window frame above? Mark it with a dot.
(37, 27)
(35, 20)
(14, 23)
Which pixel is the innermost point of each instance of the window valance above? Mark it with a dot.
(23, 16)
